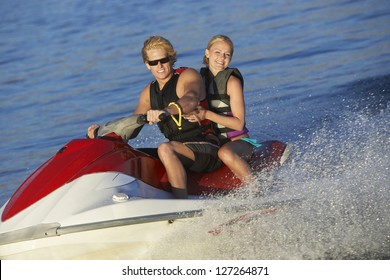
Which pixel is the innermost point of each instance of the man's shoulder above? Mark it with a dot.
(188, 71)
(145, 91)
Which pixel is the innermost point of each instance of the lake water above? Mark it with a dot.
(317, 75)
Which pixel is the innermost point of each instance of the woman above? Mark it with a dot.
(224, 87)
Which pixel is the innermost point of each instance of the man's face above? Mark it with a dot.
(163, 69)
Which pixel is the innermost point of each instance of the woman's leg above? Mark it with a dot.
(235, 155)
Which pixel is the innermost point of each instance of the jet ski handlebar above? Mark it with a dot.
(142, 119)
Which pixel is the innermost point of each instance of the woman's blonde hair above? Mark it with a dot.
(213, 40)
(158, 42)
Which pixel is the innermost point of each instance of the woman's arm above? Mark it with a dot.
(237, 105)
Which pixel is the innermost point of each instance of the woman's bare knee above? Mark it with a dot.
(226, 155)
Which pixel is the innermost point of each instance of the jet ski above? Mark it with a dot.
(101, 194)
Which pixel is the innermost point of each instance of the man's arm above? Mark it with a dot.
(143, 102)
(190, 90)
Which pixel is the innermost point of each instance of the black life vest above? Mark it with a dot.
(160, 99)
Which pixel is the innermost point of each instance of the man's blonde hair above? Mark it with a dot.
(158, 42)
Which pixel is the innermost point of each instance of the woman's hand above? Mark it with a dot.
(198, 115)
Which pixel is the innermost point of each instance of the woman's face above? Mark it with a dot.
(219, 55)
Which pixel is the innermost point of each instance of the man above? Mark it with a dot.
(175, 92)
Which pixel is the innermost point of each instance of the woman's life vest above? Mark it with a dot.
(219, 100)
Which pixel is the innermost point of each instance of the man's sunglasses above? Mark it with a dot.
(162, 61)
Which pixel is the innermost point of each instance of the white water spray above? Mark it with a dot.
(330, 202)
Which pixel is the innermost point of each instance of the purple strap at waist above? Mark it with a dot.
(233, 134)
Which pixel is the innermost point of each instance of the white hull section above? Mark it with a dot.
(122, 242)
(103, 212)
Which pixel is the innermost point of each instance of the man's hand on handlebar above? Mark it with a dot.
(154, 116)
(92, 131)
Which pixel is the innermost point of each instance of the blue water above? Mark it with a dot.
(317, 75)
